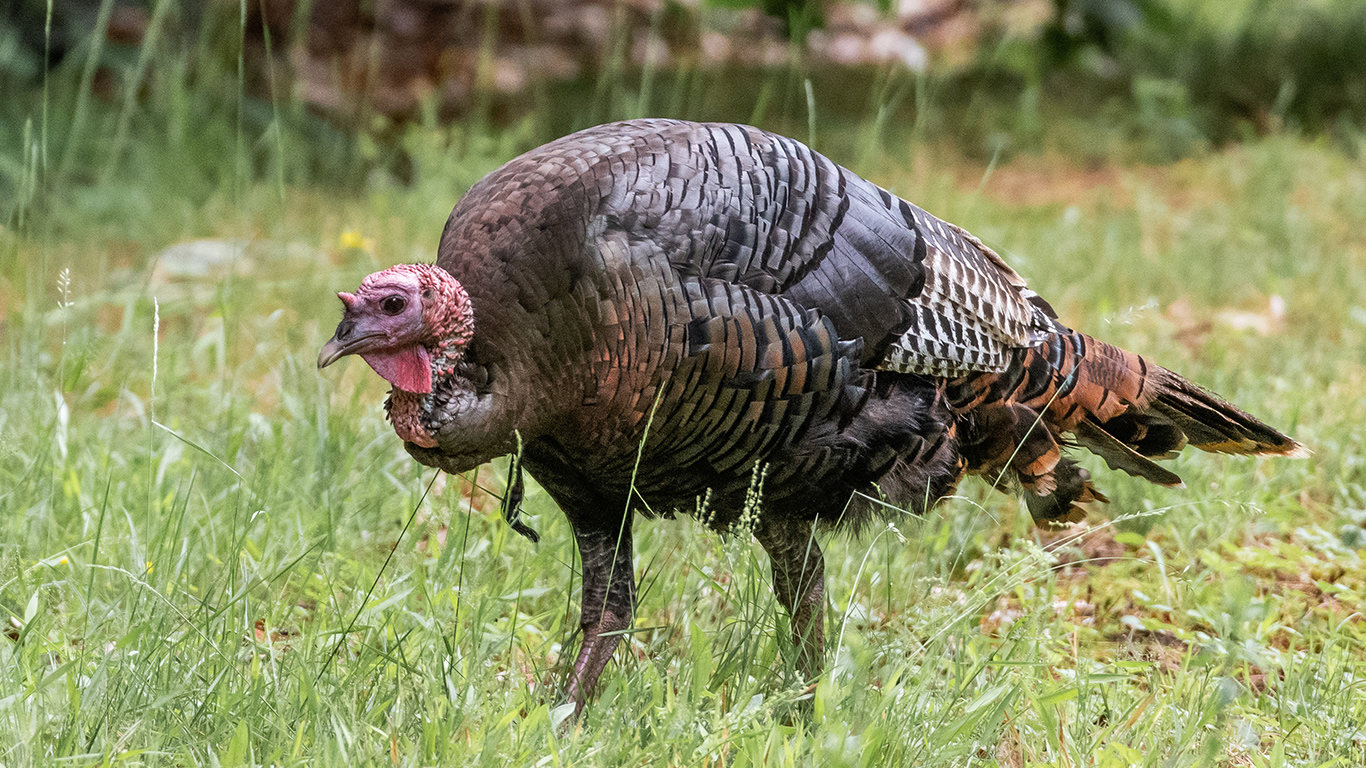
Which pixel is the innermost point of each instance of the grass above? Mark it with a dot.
(212, 554)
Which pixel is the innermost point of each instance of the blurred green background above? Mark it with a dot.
(296, 92)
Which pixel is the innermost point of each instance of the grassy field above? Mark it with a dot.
(212, 554)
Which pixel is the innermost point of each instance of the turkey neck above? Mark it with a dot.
(530, 363)
(449, 318)
(408, 409)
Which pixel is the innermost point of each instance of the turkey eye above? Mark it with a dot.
(393, 305)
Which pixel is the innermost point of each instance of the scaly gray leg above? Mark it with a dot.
(604, 539)
(609, 598)
(799, 583)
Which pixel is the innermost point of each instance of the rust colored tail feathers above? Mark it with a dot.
(1112, 402)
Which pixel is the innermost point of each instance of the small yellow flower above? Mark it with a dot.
(63, 561)
(352, 239)
(149, 566)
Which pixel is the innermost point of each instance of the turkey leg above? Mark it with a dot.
(609, 594)
(799, 583)
(604, 539)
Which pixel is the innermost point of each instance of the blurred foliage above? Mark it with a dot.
(1260, 65)
(1151, 80)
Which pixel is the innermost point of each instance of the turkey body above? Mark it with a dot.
(680, 317)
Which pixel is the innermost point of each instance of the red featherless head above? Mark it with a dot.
(399, 320)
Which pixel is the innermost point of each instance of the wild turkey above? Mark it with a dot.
(667, 316)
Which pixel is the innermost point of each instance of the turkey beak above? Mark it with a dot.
(349, 339)
(330, 353)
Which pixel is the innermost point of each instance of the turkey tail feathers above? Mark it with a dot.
(1213, 424)
(1136, 411)
(1110, 401)
(1117, 455)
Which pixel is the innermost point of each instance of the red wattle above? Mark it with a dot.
(408, 369)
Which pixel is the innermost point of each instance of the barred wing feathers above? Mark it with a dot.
(738, 204)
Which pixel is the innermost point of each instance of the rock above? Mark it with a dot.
(201, 260)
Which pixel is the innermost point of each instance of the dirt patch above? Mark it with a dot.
(1082, 544)
(1049, 180)
(1161, 647)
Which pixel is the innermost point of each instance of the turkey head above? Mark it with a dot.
(410, 322)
